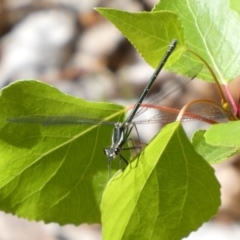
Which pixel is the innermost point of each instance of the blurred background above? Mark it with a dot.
(67, 44)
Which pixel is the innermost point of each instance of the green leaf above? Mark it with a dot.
(52, 173)
(212, 30)
(234, 4)
(224, 134)
(168, 193)
(211, 153)
(149, 32)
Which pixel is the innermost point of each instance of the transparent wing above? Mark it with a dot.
(200, 111)
(58, 120)
(196, 112)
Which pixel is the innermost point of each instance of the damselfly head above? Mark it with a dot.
(111, 153)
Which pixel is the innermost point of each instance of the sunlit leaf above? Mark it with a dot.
(211, 153)
(52, 173)
(211, 29)
(225, 135)
(166, 194)
(150, 33)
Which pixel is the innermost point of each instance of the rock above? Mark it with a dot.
(50, 32)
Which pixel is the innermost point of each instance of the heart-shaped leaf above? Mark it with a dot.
(211, 153)
(150, 33)
(224, 135)
(211, 29)
(166, 194)
(52, 173)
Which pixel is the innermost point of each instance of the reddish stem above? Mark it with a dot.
(230, 98)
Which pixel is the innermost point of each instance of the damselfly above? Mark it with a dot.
(121, 130)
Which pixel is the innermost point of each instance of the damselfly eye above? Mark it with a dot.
(117, 151)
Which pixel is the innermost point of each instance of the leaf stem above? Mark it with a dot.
(224, 100)
(233, 104)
